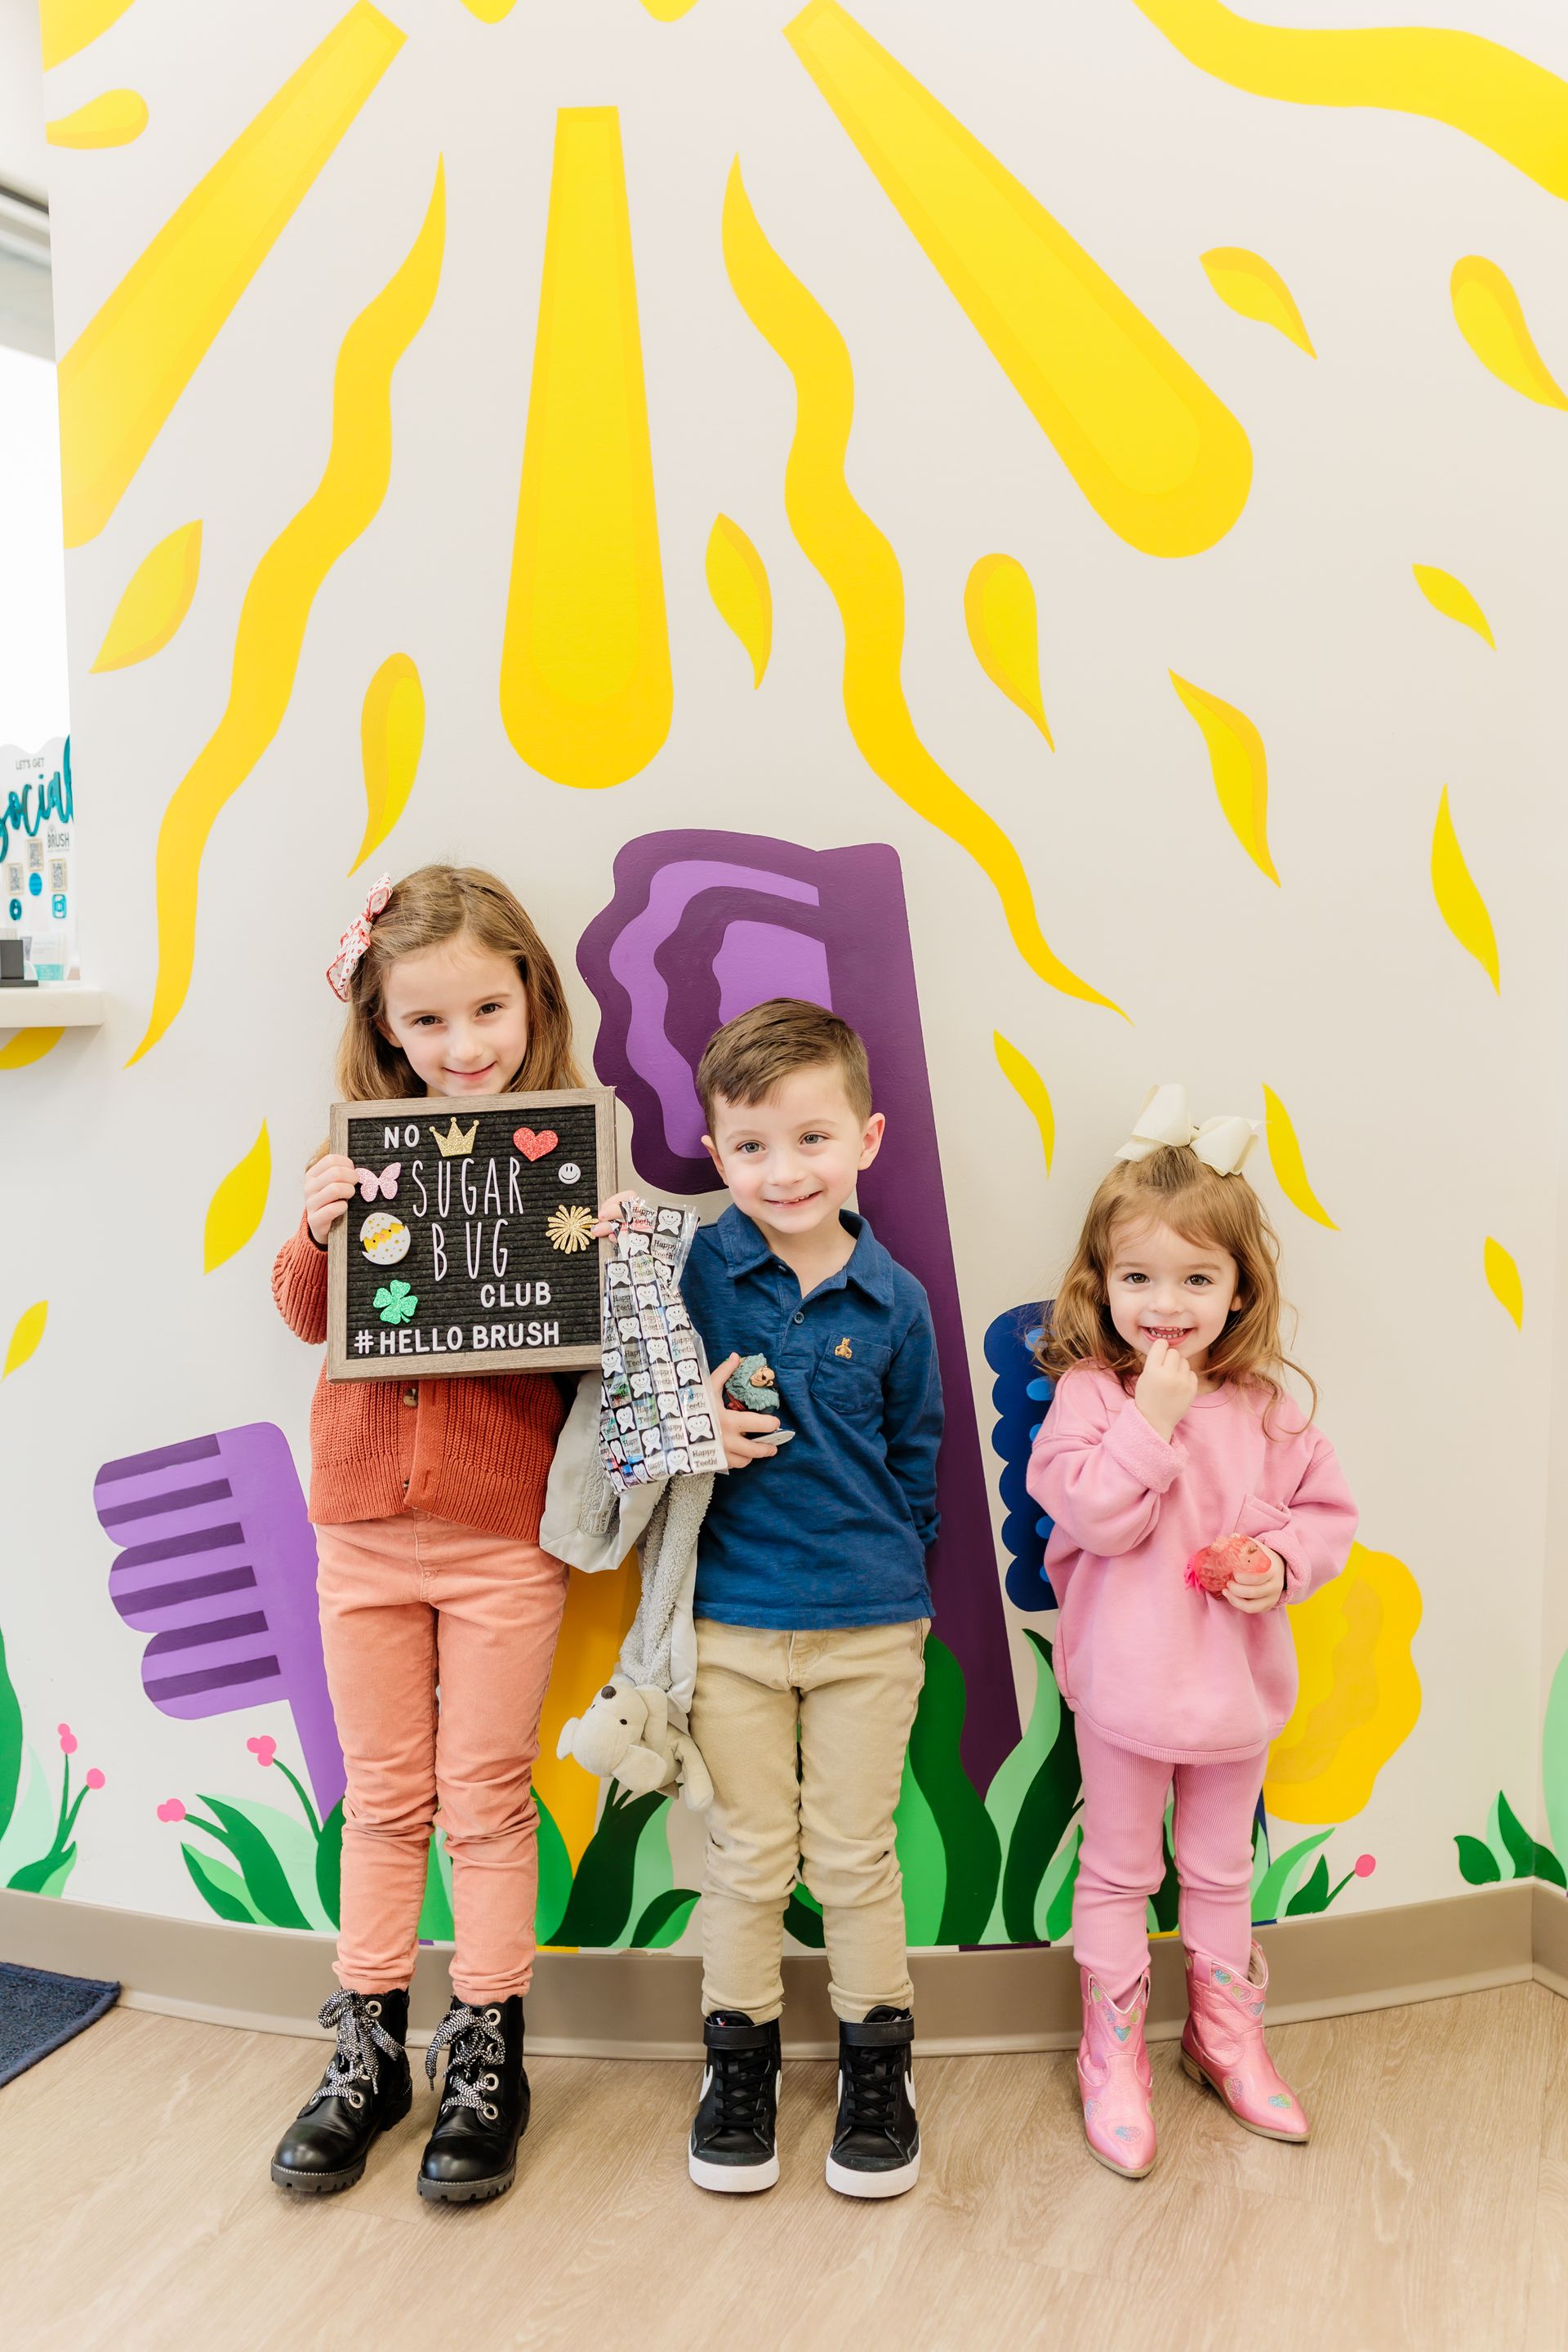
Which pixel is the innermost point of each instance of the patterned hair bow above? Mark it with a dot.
(356, 938)
(1222, 1144)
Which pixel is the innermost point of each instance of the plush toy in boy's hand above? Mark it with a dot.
(637, 1737)
(750, 1387)
(1211, 1570)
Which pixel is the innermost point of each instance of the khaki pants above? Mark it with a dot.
(804, 1736)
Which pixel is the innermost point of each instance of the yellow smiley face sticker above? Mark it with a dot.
(384, 1238)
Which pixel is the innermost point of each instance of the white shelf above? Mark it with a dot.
(53, 1004)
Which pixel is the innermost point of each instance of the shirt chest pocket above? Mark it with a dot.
(849, 1388)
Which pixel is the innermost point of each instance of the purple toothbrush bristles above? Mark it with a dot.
(220, 1568)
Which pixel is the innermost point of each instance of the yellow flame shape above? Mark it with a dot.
(391, 735)
(1160, 458)
(1490, 316)
(1359, 1696)
(599, 1609)
(122, 375)
(112, 119)
(862, 572)
(1290, 1169)
(1240, 768)
(1253, 289)
(1452, 598)
(28, 1046)
(1503, 1279)
(155, 601)
(586, 689)
(68, 26)
(738, 583)
(237, 1207)
(1003, 626)
(29, 1330)
(1459, 902)
(282, 590)
(1492, 94)
(1028, 1084)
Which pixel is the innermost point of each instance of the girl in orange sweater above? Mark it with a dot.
(427, 1501)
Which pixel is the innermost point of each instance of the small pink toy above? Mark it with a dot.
(1211, 1570)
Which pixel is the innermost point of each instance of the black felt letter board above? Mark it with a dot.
(466, 1247)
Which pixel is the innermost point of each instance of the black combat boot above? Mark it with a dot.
(472, 2152)
(364, 2091)
(876, 2149)
(733, 2145)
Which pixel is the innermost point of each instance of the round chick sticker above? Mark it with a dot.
(384, 1238)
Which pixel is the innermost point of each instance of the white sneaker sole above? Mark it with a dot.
(850, 2182)
(732, 2179)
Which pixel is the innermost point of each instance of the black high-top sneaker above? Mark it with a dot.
(364, 2089)
(472, 2152)
(732, 2139)
(876, 2149)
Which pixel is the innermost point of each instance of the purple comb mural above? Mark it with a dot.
(220, 1566)
(701, 926)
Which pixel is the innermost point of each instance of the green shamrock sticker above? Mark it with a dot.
(396, 1302)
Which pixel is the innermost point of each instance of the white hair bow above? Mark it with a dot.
(1222, 1144)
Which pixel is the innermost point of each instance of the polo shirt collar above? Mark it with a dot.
(870, 1268)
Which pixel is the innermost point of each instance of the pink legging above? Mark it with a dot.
(1123, 1859)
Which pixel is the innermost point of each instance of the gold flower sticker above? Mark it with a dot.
(571, 1229)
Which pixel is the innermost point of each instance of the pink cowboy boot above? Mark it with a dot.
(1114, 2080)
(1223, 2045)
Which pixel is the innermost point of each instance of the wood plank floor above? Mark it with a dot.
(1430, 2210)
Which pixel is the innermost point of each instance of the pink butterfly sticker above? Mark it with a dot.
(370, 1183)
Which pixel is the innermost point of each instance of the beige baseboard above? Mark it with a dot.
(646, 2004)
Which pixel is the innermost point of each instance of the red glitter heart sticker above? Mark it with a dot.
(534, 1147)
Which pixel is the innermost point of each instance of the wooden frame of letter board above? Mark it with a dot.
(436, 1110)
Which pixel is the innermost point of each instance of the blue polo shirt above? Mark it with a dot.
(833, 1530)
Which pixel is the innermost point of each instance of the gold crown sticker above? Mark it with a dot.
(457, 1142)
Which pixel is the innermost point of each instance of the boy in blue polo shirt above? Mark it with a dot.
(811, 1603)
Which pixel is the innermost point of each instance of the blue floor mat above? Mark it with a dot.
(39, 2012)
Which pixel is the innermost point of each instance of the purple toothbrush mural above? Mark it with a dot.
(220, 1566)
(702, 926)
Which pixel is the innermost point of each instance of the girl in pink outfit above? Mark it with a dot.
(1193, 1501)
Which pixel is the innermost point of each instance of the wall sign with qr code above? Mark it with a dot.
(467, 1246)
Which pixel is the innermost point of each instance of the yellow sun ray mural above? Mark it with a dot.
(1253, 289)
(1490, 316)
(25, 1335)
(1240, 768)
(68, 26)
(238, 1204)
(1290, 1168)
(599, 1610)
(862, 572)
(1158, 455)
(1490, 93)
(738, 583)
(277, 606)
(156, 598)
(128, 367)
(1459, 902)
(1452, 599)
(1504, 1280)
(392, 735)
(28, 1046)
(113, 119)
(586, 694)
(1000, 614)
(1359, 1696)
(1030, 1087)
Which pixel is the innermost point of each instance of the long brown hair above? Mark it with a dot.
(1173, 1187)
(435, 904)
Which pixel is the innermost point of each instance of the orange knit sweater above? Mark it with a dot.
(475, 1450)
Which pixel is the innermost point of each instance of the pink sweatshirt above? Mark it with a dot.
(1150, 1664)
